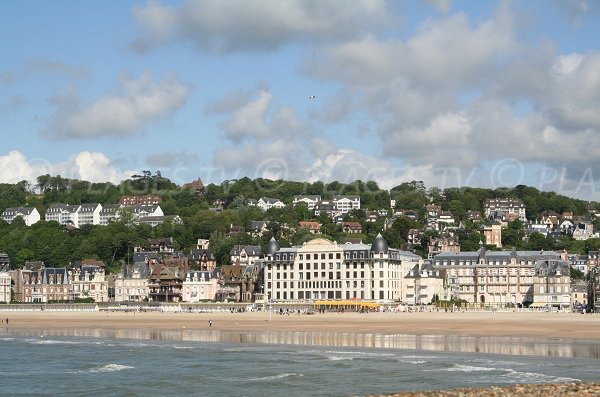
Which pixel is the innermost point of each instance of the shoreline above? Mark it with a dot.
(508, 333)
(473, 324)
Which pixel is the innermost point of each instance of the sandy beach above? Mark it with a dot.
(488, 324)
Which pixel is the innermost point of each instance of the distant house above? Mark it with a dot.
(352, 227)
(109, 213)
(474, 216)
(148, 199)
(442, 244)
(41, 286)
(244, 255)
(309, 200)
(258, 228)
(29, 214)
(5, 286)
(345, 204)
(501, 208)
(64, 214)
(161, 245)
(131, 284)
(311, 226)
(493, 234)
(266, 203)
(423, 284)
(4, 261)
(88, 214)
(154, 221)
(196, 186)
(446, 217)
(202, 259)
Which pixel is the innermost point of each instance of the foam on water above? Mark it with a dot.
(275, 377)
(109, 368)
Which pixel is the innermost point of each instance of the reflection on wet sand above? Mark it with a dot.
(551, 347)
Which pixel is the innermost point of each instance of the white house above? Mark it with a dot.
(89, 214)
(109, 213)
(265, 203)
(345, 204)
(64, 214)
(309, 200)
(29, 214)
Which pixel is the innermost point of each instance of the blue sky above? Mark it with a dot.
(454, 93)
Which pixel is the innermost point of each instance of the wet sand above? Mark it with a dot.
(475, 324)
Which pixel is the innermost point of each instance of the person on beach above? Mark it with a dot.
(210, 323)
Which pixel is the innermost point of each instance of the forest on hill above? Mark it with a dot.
(56, 245)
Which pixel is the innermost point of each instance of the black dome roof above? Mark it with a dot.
(379, 244)
(272, 246)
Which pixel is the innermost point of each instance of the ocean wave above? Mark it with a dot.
(109, 368)
(535, 377)
(412, 361)
(182, 347)
(7, 339)
(55, 342)
(340, 358)
(275, 377)
(470, 368)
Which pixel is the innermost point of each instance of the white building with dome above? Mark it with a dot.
(321, 269)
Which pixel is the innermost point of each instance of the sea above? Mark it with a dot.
(96, 362)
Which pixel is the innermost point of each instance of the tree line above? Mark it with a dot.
(58, 246)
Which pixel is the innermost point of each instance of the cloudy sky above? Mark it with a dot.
(454, 93)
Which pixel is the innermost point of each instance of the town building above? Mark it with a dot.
(131, 283)
(4, 262)
(345, 204)
(437, 245)
(200, 286)
(109, 213)
(551, 284)
(149, 199)
(5, 286)
(266, 203)
(244, 255)
(321, 269)
(309, 200)
(424, 284)
(29, 214)
(312, 226)
(493, 233)
(64, 214)
(88, 214)
(89, 281)
(492, 277)
(505, 209)
(202, 259)
(41, 286)
(351, 227)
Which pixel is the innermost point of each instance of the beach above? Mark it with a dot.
(473, 324)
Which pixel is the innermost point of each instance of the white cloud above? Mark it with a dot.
(88, 166)
(122, 114)
(229, 25)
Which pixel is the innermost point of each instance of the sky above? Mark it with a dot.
(452, 93)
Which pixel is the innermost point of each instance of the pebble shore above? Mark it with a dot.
(529, 390)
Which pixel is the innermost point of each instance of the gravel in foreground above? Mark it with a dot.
(535, 390)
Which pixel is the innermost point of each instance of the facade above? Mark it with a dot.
(89, 281)
(352, 227)
(579, 294)
(41, 286)
(309, 200)
(442, 244)
(312, 226)
(266, 203)
(345, 204)
(493, 234)
(492, 277)
(321, 269)
(64, 214)
(199, 286)
(552, 284)
(258, 228)
(423, 285)
(504, 209)
(88, 214)
(131, 284)
(148, 199)
(5, 287)
(4, 261)
(244, 255)
(109, 213)
(202, 259)
(29, 214)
